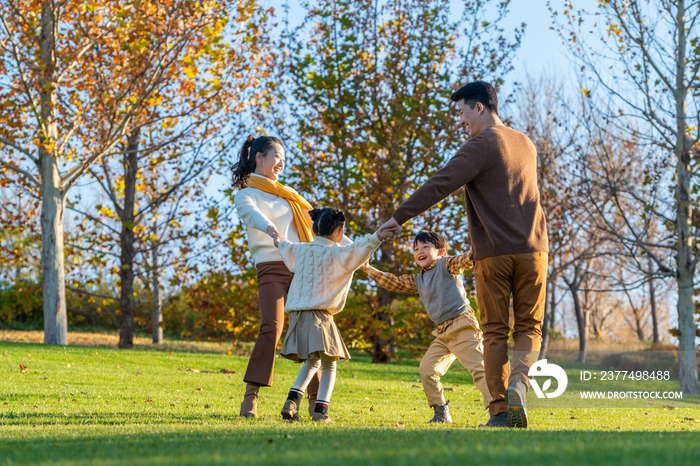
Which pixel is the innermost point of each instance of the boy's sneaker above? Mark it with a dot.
(319, 417)
(442, 414)
(290, 411)
(517, 408)
(499, 420)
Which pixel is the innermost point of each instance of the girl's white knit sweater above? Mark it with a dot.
(323, 271)
(259, 210)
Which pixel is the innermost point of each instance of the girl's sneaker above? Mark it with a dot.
(290, 411)
(319, 417)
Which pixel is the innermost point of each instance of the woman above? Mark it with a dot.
(269, 210)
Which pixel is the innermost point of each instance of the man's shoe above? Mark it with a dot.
(517, 408)
(320, 417)
(499, 420)
(442, 414)
(290, 411)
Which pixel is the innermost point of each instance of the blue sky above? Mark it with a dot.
(541, 48)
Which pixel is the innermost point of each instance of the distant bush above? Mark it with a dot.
(21, 303)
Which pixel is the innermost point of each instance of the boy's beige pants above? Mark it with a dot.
(459, 341)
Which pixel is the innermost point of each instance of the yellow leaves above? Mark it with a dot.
(105, 211)
(190, 72)
(586, 92)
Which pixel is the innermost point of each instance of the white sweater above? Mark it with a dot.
(259, 210)
(323, 271)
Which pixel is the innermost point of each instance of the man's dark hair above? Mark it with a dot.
(436, 239)
(478, 91)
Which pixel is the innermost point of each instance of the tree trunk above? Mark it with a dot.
(687, 355)
(638, 323)
(381, 347)
(52, 205)
(52, 264)
(553, 306)
(126, 239)
(157, 305)
(652, 306)
(580, 322)
(547, 318)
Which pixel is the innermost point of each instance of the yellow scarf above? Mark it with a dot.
(300, 206)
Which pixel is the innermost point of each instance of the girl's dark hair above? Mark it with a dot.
(436, 239)
(326, 220)
(246, 158)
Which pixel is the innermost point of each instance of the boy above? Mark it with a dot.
(442, 292)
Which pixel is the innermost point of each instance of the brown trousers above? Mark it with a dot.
(524, 276)
(274, 279)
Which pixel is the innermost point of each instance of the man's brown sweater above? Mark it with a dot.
(498, 168)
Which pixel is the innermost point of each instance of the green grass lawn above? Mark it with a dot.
(80, 406)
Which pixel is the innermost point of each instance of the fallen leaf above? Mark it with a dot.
(172, 404)
(416, 386)
(448, 389)
(77, 400)
(269, 440)
(35, 406)
(573, 417)
(23, 368)
(227, 371)
(206, 406)
(6, 403)
(371, 408)
(5, 354)
(400, 424)
(690, 419)
(671, 407)
(200, 389)
(131, 402)
(189, 369)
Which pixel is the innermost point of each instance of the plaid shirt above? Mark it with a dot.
(407, 283)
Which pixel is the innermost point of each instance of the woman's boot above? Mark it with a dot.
(249, 407)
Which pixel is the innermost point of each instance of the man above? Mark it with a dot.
(498, 169)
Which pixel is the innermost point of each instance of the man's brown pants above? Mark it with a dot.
(524, 276)
(274, 279)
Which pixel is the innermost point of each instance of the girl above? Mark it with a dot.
(322, 271)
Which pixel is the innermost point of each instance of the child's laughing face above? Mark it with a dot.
(426, 253)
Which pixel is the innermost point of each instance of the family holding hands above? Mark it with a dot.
(303, 253)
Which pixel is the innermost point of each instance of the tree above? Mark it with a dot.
(76, 77)
(369, 86)
(649, 98)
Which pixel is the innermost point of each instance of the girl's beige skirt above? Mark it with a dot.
(312, 332)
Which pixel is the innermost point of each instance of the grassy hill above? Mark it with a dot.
(85, 405)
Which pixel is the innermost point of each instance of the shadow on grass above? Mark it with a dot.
(323, 445)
